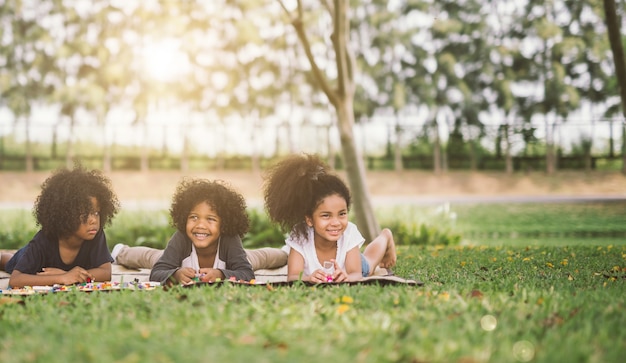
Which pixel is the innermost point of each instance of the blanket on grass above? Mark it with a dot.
(275, 277)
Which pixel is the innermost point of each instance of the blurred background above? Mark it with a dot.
(194, 85)
(418, 101)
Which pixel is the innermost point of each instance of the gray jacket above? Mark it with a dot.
(179, 247)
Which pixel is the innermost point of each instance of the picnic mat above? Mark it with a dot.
(122, 276)
(370, 280)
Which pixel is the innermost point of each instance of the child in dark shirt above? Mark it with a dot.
(72, 209)
(210, 218)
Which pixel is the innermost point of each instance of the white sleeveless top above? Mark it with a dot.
(306, 247)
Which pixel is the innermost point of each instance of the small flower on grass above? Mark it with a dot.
(462, 263)
(344, 300)
(343, 308)
(344, 304)
(565, 262)
(549, 264)
(526, 259)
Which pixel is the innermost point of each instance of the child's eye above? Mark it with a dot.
(193, 218)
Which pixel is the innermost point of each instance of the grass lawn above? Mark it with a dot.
(479, 304)
(536, 295)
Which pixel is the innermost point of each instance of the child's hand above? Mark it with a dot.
(338, 275)
(210, 274)
(318, 276)
(185, 275)
(73, 276)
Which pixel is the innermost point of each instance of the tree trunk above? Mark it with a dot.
(30, 163)
(69, 153)
(613, 23)
(341, 96)
(436, 148)
(507, 150)
(355, 170)
(397, 150)
(184, 158)
(144, 161)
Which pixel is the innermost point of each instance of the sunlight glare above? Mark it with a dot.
(164, 61)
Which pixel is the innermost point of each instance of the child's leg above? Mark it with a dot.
(381, 252)
(4, 258)
(138, 256)
(267, 258)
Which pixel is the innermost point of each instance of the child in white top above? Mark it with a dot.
(304, 197)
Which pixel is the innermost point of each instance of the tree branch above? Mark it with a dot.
(298, 25)
(343, 55)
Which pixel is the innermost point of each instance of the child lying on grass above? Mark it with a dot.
(72, 209)
(303, 196)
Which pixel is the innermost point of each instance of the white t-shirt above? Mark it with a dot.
(351, 238)
(192, 260)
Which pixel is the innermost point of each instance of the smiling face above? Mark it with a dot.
(90, 223)
(203, 226)
(329, 219)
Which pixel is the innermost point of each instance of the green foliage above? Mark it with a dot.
(541, 220)
(422, 234)
(414, 225)
(18, 228)
(262, 232)
(140, 228)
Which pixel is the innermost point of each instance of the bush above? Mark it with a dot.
(414, 234)
(263, 233)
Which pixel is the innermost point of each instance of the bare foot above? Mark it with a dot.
(389, 259)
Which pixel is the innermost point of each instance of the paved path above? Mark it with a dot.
(381, 200)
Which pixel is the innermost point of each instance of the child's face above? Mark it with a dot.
(89, 224)
(203, 226)
(329, 219)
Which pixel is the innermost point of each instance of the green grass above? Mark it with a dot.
(517, 224)
(478, 304)
(518, 288)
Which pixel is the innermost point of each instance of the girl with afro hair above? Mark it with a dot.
(72, 210)
(210, 218)
(311, 203)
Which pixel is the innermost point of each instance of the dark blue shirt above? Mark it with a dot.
(41, 252)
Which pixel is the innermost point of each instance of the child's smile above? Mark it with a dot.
(203, 226)
(330, 219)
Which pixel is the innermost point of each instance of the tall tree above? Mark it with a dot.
(341, 96)
(25, 49)
(613, 23)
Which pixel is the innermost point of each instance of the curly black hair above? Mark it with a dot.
(229, 205)
(295, 186)
(64, 202)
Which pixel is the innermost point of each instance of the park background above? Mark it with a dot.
(489, 135)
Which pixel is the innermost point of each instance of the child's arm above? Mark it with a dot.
(170, 262)
(295, 266)
(237, 264)
(53, 276)
(102, 272)
(353, 265)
